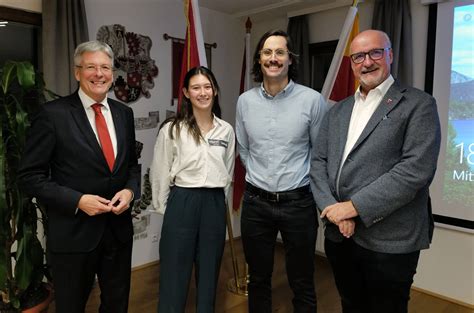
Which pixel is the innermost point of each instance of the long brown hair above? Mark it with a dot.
(185, 114)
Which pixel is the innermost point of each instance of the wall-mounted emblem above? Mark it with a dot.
(135, 70)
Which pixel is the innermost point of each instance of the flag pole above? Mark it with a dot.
(248, 55)
(338, 54)
(237, 285)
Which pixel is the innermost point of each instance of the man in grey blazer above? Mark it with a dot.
(376, 157)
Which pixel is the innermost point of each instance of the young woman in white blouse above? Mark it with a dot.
(191, 172)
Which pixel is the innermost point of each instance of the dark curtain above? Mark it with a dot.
(64, 27)
(394, 18)
(299, 34)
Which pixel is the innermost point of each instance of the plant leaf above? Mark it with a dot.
(7, 75)
(29, 257)
(24, 266)
(26, 74)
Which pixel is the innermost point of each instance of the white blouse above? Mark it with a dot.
(182, 162)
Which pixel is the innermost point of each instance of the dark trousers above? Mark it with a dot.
(370, 281)
(193, 233)
(73, 276)
(296, 221)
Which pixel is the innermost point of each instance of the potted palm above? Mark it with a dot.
(22, 266)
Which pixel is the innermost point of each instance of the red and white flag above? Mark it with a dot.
(340, 81)
(194, 53)
(245, 84)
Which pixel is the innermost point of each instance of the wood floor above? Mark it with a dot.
(144, 291)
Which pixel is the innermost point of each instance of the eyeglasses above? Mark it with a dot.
(279, 53)
(374, 54)
(104, 68)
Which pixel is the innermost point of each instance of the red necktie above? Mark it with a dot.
(104, 136)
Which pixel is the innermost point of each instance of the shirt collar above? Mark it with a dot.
(87, 101)
(216, 121)
(285, 90)
(380, 89)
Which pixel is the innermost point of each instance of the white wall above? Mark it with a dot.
(447, 268)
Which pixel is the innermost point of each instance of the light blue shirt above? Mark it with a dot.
(275, 135)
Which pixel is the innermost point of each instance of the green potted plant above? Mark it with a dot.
(22, 266)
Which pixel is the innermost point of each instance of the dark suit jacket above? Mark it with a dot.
(386, 174)
(63, 160)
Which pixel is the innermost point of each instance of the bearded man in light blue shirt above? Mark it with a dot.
(276, 127)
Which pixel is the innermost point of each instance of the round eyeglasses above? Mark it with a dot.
(279, 53)
(374, 54)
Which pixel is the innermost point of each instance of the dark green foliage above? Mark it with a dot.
(21, 254)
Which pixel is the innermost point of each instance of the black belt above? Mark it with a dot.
(293, 194)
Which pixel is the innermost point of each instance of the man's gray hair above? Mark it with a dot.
(92, 46)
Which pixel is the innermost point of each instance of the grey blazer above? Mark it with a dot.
(386, 174)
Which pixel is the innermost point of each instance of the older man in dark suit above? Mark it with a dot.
(80, 162)
(376, 157)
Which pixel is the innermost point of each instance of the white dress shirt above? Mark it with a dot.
(182, 162)
(87, 102)
(363, 109)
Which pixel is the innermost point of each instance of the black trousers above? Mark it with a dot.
(74, 273)
(296, 220)
(370, 281)
(193, 233)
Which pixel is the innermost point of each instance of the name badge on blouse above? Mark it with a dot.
(218, 142)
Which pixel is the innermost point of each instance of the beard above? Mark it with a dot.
(370, 81)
